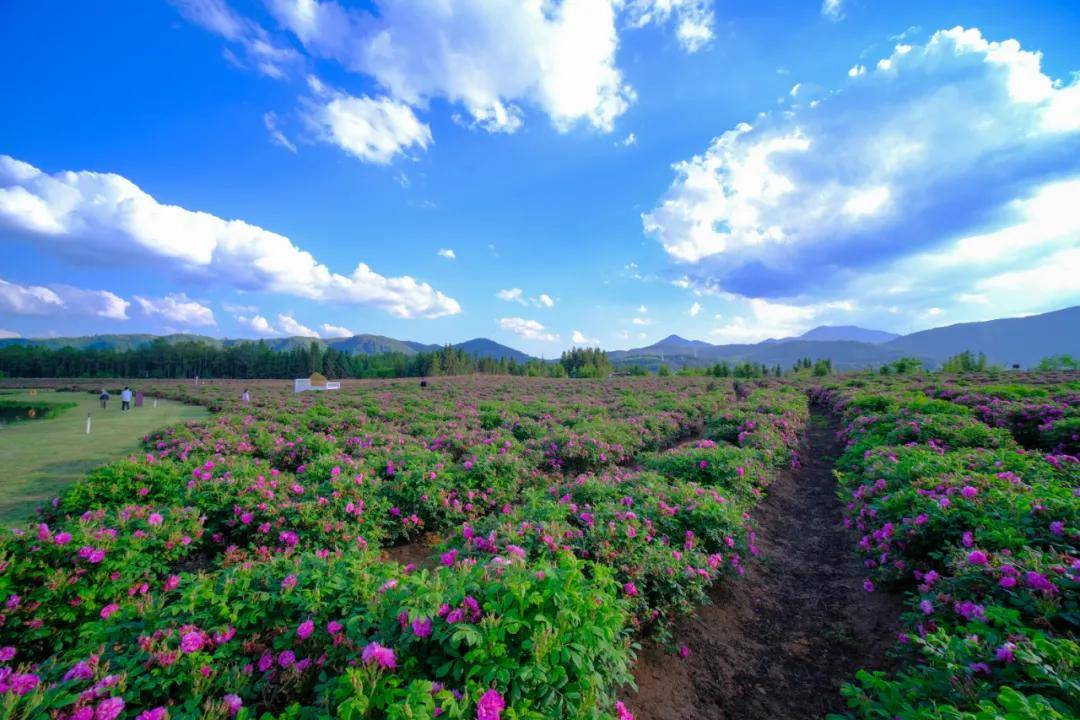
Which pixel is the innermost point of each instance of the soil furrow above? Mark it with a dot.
(780, 642)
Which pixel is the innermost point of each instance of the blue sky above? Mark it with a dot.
(541, 173)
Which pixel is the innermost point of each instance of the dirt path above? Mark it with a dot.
(778, 643)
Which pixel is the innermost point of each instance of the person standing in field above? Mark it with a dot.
(125, 398)
(246, 397)
(104, 398)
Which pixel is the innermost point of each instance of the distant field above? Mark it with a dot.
(39, 457)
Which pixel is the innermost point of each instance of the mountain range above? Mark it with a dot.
(1021, 341)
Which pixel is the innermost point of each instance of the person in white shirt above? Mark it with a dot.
(125, 398)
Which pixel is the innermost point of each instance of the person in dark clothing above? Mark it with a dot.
(104, 398)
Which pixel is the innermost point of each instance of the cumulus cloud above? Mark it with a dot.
(694, 310)
(528, 329)
(486, 57)
(289, 326)
(8, 334)
(580, 338)
(335, 331)
(447, 253)
(757, 319)
(60, 300)
(511, 295)
(517, 295)
(257, 323)
(932, 144)
(177, 308)
(374, 130)
(258, 50)
(103, 217)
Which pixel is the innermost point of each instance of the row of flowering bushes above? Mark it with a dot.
(1040, 417)
(241, 567)
(983, 535)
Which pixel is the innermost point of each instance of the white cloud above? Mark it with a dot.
(447, 253)
(258, 323)
(833, 9)
(289, 326)
(276, 136)
(760, 319)
(641, 321)
(490, 58)
(630, 139)
(579, 338)
(374, 130)
(335, 331)
(178, 309)
(60, 300)
(543, 300)
(694, 19)
(260, 51)
(856, 70)
(511, 295)
(642, 309)
(695, 309)
(934, 143)
(99, 217)
(528, 329)
(8, 334)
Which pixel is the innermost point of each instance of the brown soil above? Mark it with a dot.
(419, 553)
(780, 642)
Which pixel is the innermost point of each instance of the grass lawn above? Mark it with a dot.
(40, 457)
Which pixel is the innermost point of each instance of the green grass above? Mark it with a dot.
(38, 458)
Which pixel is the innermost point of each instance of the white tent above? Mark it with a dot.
(315, 382)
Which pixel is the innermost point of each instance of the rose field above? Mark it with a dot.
(508, 547)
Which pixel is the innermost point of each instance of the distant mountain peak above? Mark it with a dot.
(832, 333)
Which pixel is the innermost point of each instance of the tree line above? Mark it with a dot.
(252, 360)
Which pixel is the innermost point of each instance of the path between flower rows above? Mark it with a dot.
(779, 643)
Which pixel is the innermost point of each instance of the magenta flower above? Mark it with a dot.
(62, 538)
(79, 671)
(286, 658)
(7, 653)
(109, 709)
(109, 610)
(620, 708)
(192, 642)
(234, 702)
(490, 706)
(630, 589)
(868, 585)
(421, 627)
(684, 651)
(23, 683)
(380, 655)
(154, 519)
(306, 628)
(334, 627)
(977, 557)
(289, 582)
(1006, 653)
(158, 713)
(968, 491)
